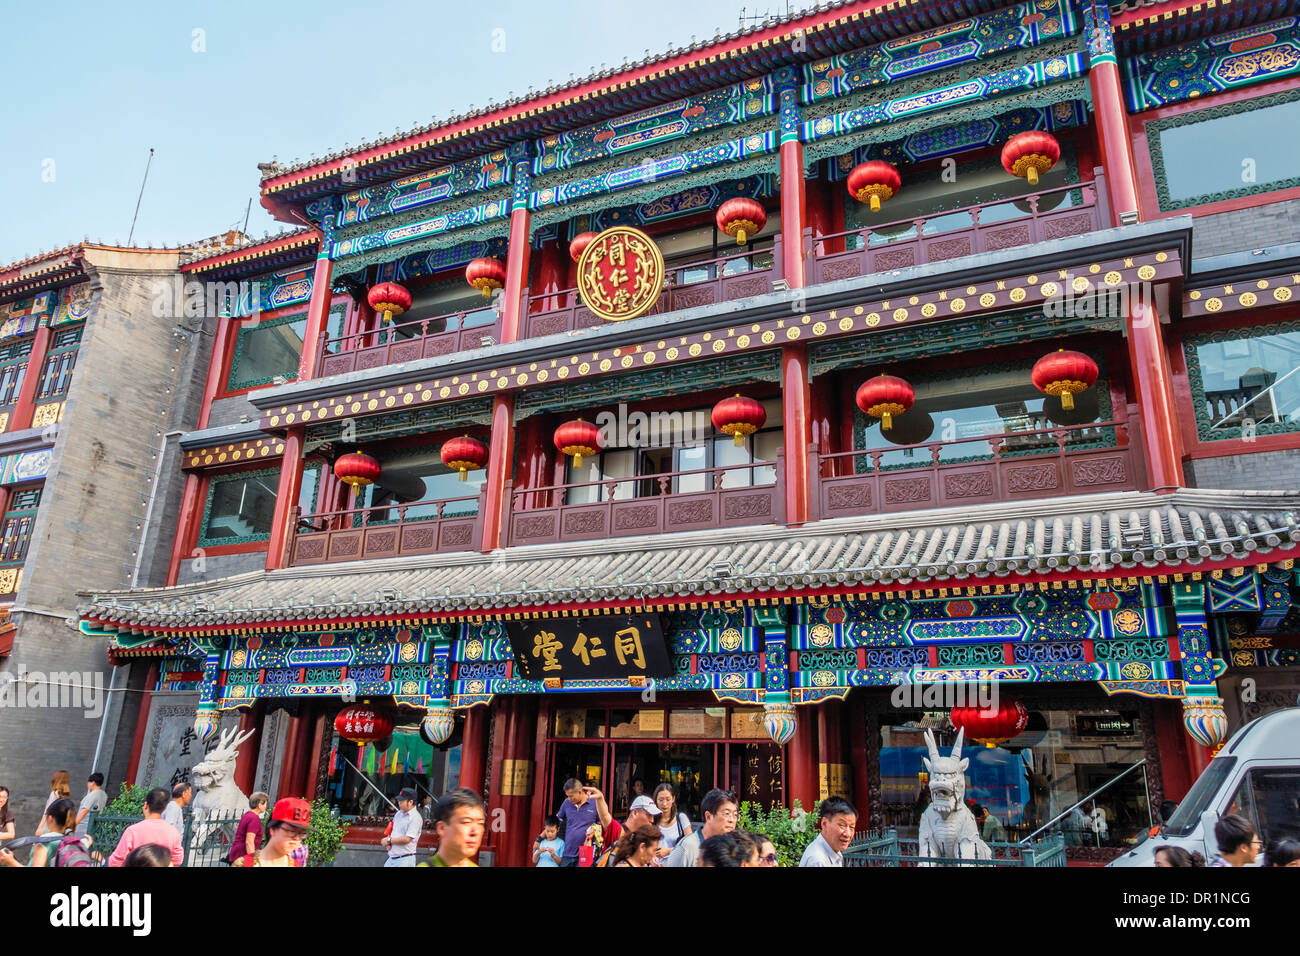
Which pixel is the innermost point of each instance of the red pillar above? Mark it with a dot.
(830, 751)
(246, 762)
(818, 203)
(226, 327)
(1151, 380)
(142, 723)
(473, 748)
(798, 431)
(793, 212)
(318, 313)
(186, 525)
(801, 761)
(318, 727)
(500, 465)
(858, 745)
(21, 416)
(516, 272)
(1112, 135)
(517, 782)
(286, 498)
(552, 273)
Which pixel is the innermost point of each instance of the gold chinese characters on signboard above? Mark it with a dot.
(620, 274)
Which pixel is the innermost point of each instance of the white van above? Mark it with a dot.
(1256, 774)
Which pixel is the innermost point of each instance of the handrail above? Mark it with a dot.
(1032, 198)
(424, 324)
(994, 437)
(1068, 811)
(716, 471)
(402, 507)
(671, 268)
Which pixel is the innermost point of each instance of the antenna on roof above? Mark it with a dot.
(247, 212)
(147, 164)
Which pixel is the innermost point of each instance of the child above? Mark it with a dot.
(548, 847)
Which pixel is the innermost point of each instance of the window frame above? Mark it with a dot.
(209, 494)
(338, 315)
(1201, 428)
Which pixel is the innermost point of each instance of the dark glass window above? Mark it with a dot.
(240, 508)
(1246, 381)
(272, 348)
(418, 479)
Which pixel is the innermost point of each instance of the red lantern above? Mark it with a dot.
(993, 729)
(389, 298)
(1028, 154)
(741, 217)
(356, 469)
(486, 275)
(578, 438)
(874, 181)
(884, 397)
(1065, 374)
(363, 724)
(738, 416)
(464, 454)
(580, 242)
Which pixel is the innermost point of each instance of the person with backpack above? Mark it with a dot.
(71, 850)
(644, 813)
(288, 826)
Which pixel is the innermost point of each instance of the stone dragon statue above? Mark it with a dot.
(218, 802)
(948, 828)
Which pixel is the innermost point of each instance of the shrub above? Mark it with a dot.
(789, 830)
(326, 836)
(129, 802)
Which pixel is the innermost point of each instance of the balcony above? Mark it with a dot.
(1014, 466)
(720, 497)
(388, 531)
(408, 341)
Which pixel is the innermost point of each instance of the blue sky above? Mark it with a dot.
(90, 89)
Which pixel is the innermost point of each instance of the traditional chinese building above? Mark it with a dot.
(661, 426)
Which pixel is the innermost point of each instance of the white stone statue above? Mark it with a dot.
(948, 828)
(216, 796)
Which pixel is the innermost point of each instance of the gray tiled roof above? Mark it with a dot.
(1007, 542)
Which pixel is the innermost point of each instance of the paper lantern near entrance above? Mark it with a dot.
(486, 275)
(1065, 374)
(389, 299)
(356, 469)
(884, 397)
(992, 729)
(739, 416)
(1030, 153)
(363, 724)
(741, 217)
(464, 454)
(438, 724)
(580, 242)
(578, 438)
(874, 181)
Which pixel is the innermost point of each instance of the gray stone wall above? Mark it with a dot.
(1255, 228)
(231, 411)
(216, 566)
(1259, 471)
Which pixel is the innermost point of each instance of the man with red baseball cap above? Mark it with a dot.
(289, 824)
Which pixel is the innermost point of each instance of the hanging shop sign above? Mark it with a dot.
(620, 274)
(603, 648)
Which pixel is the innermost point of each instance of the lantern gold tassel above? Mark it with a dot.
(1032, 175)
(875, 203)
(740, 236)
(739, 439)
(1067, 401)
(886, 420)
(577, 460)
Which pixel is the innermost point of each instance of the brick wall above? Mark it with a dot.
(1255, 228)
(221, 566)
(1260, 471)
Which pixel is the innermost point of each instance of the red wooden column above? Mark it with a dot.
(832, 772)
(318, 727)
(246, 762)
(517, 781)
(797, 427)
(858, 744)
(801, 761)
(473, 748)
(1108, 105)
(318, 311)
(226, 327)
(186, 525)
(501, 446)
(793, 196)
(142, 722)
(286, 497)
(21, 417)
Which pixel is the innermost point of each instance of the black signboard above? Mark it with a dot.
(591, 647)
(1111, 725)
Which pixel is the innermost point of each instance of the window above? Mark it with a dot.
(688, 254)
(676, 442)
(959, 409)
(1270, 798)
(13, 368)
(271, 348)
(1225, 152)
(16, 532)
(56, 374)
(1245, 381)
(449, 307)
(418, 478)
(240, 508)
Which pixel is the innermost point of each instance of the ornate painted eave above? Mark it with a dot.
(48, 270)
(1049, 543)
(1141, 26)
(289, 248)
(805, 36)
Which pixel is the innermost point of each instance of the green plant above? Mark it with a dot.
(129, 802)
(789, 830)
(326, 836)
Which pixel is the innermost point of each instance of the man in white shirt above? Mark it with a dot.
(407, 823)
(720, 810)
(175, 812)
(93, 802)
(837, 820)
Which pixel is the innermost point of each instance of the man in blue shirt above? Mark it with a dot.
(583, 806)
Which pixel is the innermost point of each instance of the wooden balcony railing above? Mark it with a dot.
(987, 468)
(992, 226)
(358, 533)
(406, 342)
(539, 515)
(728, 277)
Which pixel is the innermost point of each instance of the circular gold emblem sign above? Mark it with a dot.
(620, 274)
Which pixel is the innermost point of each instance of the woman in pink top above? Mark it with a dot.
(152, 829)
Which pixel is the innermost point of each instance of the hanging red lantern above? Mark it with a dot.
(992, 729)
(1030, 153)
(578, 438)
(580, 242)
(738, 416)
(874, 181)
(389, 298)
(464, 454)
(741, 217)
(884, 397)
(356, 469)
(1065, 374)
(486, 275)
(363, 724)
